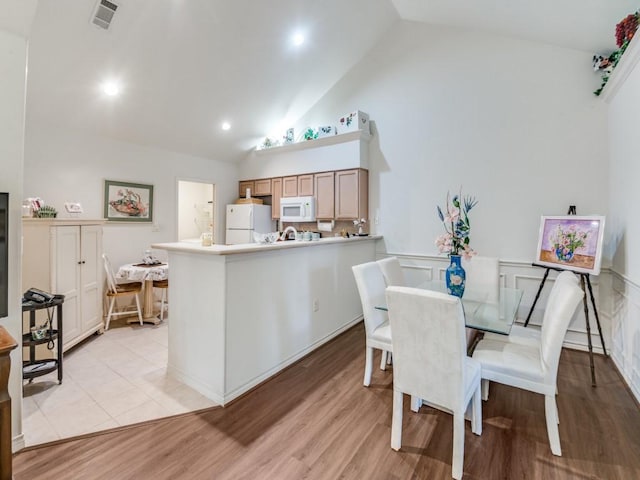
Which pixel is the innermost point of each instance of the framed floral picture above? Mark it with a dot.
(128, 202)
(571, 242)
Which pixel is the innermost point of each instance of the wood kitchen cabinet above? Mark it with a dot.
(262, 187)
(290, 186)
(276, 194)
(64, 257)
(352, 194)
(305, 185)
(340, 195)
(324, 188)
(258, 188)
(242, 188)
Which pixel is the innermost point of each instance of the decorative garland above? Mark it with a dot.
(625, 30)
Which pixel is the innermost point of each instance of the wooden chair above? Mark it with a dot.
(164, 285)
(115, 290)
(430, 362)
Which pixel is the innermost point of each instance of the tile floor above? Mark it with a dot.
(114, 379)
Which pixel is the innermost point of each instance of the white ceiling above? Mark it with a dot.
(186, 66)
(587, 25)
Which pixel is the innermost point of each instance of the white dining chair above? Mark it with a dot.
(530, 335)
(371, 287)
(482, 284)
(482, 278)
(393, 276)
(534, 366)
(115, 290)
(430, 362)
(392, 271)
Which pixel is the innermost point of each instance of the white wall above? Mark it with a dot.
(624, 118)
(514, 123)
(13, 56)
(63, 166)
(624, 145)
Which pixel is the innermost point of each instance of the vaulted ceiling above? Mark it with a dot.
(187, 66)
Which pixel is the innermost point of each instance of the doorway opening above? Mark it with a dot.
(196, 207)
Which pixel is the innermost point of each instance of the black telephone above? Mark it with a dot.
(37, 296)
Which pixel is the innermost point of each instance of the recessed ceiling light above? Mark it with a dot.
(226, 126)
(298, 39)
(111, 88)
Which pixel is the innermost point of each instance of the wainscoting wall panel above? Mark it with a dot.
(625, 328)
(618, 307)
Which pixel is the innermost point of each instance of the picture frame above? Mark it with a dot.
(571, 242)
(128, 202)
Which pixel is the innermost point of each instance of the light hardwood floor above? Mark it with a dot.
(317, 421)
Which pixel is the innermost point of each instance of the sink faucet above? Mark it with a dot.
(287, 230)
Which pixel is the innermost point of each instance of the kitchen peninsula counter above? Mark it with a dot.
(238, 314)
(194, 247)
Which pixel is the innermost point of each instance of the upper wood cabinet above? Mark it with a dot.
(324, 188)
(305, 185)
(352, 194)
(258, 188)
(262, 187)
(340, 195)
(242, 188)
(290, 186)
(276, 194)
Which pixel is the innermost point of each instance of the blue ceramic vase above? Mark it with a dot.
(564, 255)
(455, 277)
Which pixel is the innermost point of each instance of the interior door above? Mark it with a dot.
(66, 254)
(90, 275)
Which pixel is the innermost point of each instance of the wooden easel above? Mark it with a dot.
(584, 278)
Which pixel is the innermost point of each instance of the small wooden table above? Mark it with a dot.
(147, 273)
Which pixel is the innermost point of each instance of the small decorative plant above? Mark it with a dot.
(455, 219)
(46, 211)
(360, 224)
(310, 134)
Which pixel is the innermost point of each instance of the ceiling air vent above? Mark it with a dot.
(103, 14)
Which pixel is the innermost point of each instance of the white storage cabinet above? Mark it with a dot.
(64, 257)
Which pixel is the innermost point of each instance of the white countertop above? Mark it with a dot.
(190, 247)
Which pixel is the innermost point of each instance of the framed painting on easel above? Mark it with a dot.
(571, 242)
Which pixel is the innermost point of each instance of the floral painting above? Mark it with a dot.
(128, 202)
(571, 243)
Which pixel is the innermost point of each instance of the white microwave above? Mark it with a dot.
(298, 209)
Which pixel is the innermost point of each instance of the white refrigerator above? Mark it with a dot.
(243, 220)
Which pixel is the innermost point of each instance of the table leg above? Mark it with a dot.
(147, 306)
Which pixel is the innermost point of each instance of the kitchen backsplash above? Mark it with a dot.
(340, 225)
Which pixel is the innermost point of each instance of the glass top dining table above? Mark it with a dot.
(480, 310)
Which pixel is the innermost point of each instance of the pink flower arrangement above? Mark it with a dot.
(455, 219)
